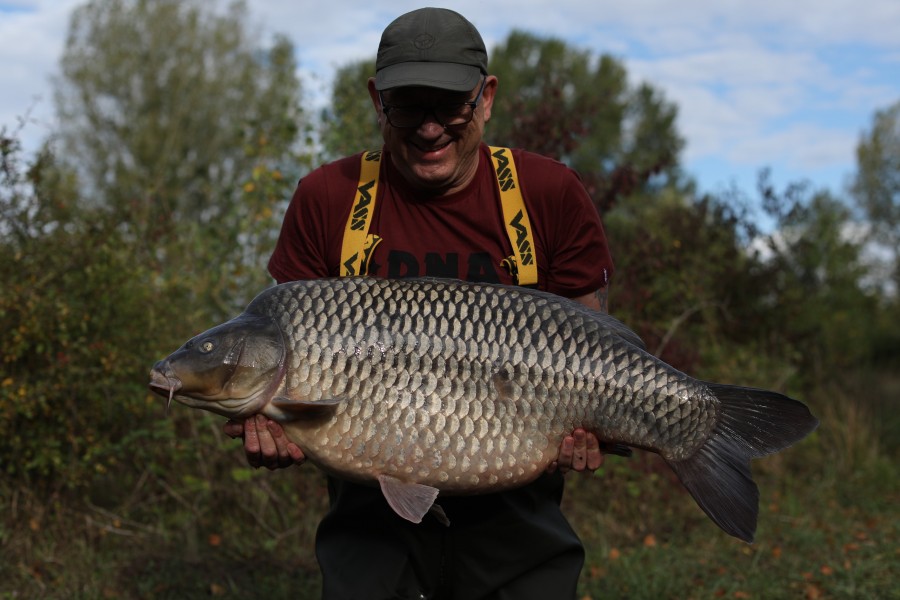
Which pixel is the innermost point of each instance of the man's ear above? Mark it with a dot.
(487, 96)
(376, 101)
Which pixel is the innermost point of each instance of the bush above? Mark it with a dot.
(83, 322)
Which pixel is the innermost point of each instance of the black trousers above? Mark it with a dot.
(510, 545)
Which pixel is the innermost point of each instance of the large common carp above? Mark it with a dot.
(425, 385)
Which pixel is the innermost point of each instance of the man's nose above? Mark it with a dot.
(430, 126)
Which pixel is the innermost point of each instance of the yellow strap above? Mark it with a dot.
(515, 217)
(358, 245)
(356, 248)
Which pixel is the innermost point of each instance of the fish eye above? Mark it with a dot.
(207, 346)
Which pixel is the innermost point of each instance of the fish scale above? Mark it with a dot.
(428, 386)
(385, 341)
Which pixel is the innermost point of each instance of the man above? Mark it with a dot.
(437, 212)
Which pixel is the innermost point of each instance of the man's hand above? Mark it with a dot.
(578, 452)
(265, 443)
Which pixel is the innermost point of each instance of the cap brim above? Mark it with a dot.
(446, 76)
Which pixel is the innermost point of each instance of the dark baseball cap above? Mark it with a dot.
(430, 47)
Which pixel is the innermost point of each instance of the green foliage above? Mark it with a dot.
(813, 282)
(551, 97)
(712, 295)
(681, 273)
(153, 224)
(76, 308)
(349, 124)
(876, 186)
(876, 190)
(564, 102)
(181, 128)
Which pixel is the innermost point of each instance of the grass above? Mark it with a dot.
(164, 548)
(809, 544)
(829, 525)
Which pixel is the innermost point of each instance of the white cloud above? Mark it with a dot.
(33, 40)
(801, 147)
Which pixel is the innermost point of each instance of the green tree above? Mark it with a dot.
(181, 127)
(81, 322)
(812, 281)
(683, 279)
(348, 123)
(569, 104)
(876, 186)
(152, 223)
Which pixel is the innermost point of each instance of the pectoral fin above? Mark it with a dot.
(614, 448)
(409, 500)
(294, 408)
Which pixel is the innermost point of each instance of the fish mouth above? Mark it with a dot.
(164, 382)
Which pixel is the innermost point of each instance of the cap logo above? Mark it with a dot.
(424, 41)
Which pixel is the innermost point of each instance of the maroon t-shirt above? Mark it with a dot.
(460, 236)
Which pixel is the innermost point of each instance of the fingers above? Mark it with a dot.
(252, 446)
(288, 452)
(594, 457)
(579, 452)
(266, 445)
(566, 452)
(233, 429)
(296, 453)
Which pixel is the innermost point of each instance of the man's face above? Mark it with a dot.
(433, 158)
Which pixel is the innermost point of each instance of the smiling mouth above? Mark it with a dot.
(431, 149)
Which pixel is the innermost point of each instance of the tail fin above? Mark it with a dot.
(753, 423)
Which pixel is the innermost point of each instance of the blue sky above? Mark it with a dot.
(765, 83)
